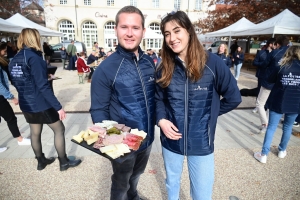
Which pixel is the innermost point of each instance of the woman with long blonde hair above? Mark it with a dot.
(224, 55)
(36, 99)
(190, 81)
(284, 99)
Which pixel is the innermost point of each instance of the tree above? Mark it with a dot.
(228, 12)
(10, 7)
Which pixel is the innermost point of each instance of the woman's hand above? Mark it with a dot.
(62, 114)
(169, 129)
(15, 101)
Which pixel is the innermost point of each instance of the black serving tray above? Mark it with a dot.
(121, 159)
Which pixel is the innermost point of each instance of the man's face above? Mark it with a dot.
(130, 31)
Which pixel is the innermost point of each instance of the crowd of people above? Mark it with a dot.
(182, 89)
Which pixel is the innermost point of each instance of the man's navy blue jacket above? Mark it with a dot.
(193, 107)
(123, 89)
(29, 75)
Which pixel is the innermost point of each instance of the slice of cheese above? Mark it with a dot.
(122, 148)
(140, 133)
(107, 148)
(81, 133)
(77, 138)
(92, 140)
(113, 154)
(134, 130)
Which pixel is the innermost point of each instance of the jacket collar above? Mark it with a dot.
(39, 53)
(129, 54)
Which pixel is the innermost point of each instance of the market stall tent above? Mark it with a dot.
(23, 22)
(285, 22)
(6, 26)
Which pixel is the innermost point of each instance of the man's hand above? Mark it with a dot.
(15, 101)
(169, 129)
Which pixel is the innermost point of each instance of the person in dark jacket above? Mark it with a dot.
(190, 82)
(92, 61)
(10, 51)
(6, 111)
(36, 99)
(269, 65)
(284, 99)
(238, 59)
(223, 54)
(122, 90)
(64, 56)
(48, 52)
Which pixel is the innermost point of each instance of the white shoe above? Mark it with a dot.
(260, 158)
(263, 129)
(25, 141)
(2, 149)
(281, 154)
(254, 110)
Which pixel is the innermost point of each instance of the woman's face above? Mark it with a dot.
(239, 49)
(177, 38)
(3, 52)
(222, 48)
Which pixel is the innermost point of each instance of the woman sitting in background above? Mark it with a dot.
(284, 99)
(238, 59)
(223, 54)
(82, 67)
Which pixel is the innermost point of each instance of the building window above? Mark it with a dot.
(67, 28)
(109, 35)
(133, 3)
(154, 43)
(155, 27)
(89, 34)
(87, 2)
(110, 2)
(177, 4)
(62, 1)
(198, 5)
(155, 3)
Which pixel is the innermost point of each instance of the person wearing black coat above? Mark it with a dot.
(64, 56)
(284, 99)
(92, 61)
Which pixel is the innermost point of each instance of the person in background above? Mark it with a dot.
(96, 48)
(72, 55)
(37, 102)
(224, 55)
(233, 47)
(271, 64)
(284, 99)
(190, 82)
(102, 53)
(109, 53)
(238, 59)
(48, 52)
(6, 111)
(10, 51)
(296, 124)
(92, 61)
(123, 89)
(64, 56)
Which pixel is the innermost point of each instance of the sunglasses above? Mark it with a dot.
(171, 13)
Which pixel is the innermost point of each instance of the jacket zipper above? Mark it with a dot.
(143, 86)
(185, 116)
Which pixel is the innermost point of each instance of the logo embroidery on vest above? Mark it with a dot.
(151, 79)
(200, 88)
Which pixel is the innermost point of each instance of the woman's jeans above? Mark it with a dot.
(201, 174)
(237, 70)
(287, 126)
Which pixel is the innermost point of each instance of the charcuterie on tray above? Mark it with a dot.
(110, 139)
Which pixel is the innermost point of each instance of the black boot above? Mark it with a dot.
(43, 162)
(65, 163)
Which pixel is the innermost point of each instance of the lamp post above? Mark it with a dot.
(76, 19)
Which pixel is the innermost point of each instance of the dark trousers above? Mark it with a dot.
(126, 176)
(8, 115)
(91, 73)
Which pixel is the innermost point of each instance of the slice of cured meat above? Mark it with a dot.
(126, 129)
(112, 139)
(99, 143)
(119, 126)
(100, 130)
(132, 145)
(133, 138)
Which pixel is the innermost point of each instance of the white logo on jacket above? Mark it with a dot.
(151, 79)
(200, 88)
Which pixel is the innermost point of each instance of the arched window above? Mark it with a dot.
(89, 33)
(67, 28)
(155, 27)
(109, 35)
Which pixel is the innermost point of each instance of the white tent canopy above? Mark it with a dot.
(150, 34)
(241, 24)
(285, 22)
(9, 27)
(23, 22)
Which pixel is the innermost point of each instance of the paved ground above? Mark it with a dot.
(237, 173)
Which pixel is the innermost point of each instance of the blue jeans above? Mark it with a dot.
(201, 174)
(237, 70)
(287, 126)
(126, 175)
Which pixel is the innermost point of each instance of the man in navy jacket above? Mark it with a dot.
(123, 89)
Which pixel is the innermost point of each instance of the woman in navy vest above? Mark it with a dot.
(224, 55)
(36, 99)
(284, 99)
(190, 82)
(238, 59)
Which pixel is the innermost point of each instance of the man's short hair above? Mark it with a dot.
(95, 42)
(282, 40)
(130, 9)
(72, 41)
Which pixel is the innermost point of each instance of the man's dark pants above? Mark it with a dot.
(126, 175)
